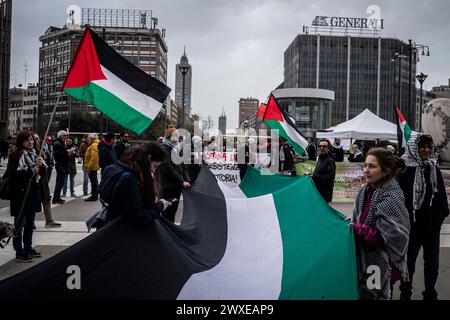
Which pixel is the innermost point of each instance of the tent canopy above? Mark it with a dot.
(365, 126)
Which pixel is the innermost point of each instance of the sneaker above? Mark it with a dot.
(56, 201)
(90, 199)
(85, 193)
(52, 224)
(63, 195)
(73, 195)
(34, 254)
(23, 257)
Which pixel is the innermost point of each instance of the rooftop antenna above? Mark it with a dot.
(25, 65)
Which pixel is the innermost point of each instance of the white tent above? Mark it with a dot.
(365, 126)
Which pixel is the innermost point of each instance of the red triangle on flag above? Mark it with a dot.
(273, 111)
(85, 65)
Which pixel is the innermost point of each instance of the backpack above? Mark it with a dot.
(107, 186)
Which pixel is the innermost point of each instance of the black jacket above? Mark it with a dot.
(311, 150)
(119, 148)
(338, 154)
(323, 176)
(119, 189)
(60, 153)
(171, 176)
(106, 155)
(358, 158)
(428, 219)
(19, 181)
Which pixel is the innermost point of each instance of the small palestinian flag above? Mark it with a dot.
(403, 129)
(261, 111)
(277, 118)
(102, 77)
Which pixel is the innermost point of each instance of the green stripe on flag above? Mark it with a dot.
(112, 106)
(319, 255)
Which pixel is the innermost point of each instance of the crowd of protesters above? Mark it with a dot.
(400, 210)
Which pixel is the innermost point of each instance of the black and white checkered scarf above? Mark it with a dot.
(413, 159)
(388, 214)
(27, 161)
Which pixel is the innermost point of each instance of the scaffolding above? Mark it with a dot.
(119, 18)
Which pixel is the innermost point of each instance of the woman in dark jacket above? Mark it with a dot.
(426, 201)
(25, 169)
(128, 187)
(325, 171)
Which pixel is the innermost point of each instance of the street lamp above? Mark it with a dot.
(183, 69)
(421, 78)
(399, 56)
(413, 53)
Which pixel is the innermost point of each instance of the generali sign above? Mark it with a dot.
(345, 22)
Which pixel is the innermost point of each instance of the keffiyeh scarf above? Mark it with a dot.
(413, 159)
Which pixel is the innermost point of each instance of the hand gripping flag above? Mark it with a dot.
(102, 77)
(277, 118)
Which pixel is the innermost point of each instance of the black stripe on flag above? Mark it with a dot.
(128, 72)
(123, 261)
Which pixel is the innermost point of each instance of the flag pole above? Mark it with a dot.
(50, 123)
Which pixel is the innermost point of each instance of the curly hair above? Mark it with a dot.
(22, 136)
(139, 159)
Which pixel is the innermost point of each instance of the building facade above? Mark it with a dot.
(5, 60)
(248, 107)
(29, 109)
(145, 48)
(442, 91)
(16, 96)
(184, 63)
(223, 123)
(364, 72)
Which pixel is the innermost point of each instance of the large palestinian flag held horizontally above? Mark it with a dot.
(102, 77)
(272, 238)
(276, 118)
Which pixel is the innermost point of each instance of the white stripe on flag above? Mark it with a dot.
(252, 265)
(144, 104)
(294, 135)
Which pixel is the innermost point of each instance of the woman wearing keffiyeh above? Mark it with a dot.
(426, 201)
(381, 224)
(25, 168)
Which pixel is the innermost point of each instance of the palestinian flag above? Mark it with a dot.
(272, 238)
(102, 77)
(277, 118)
(403, 129)
(261, 111)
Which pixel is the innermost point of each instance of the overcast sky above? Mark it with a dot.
(236, 47)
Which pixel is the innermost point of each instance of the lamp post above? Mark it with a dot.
(413, 51)
(183, 70)
(421, 78)
(399, 56)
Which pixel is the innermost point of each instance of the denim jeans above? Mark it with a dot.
(94, 184)
(72, 184)
(85, 181)
(61, 173)
(23, 241)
